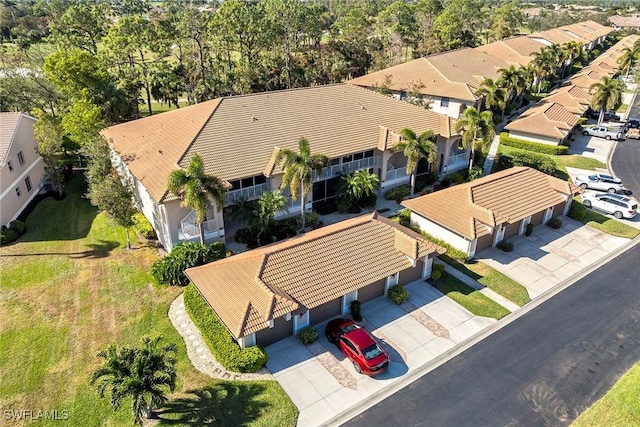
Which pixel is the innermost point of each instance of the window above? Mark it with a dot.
(347, 159)
(260, 179)
(27, 182)
(10, 165)
(358, 156)
(20, 158)
(368, 153)
(18, 192)
(247, 182)
(444, 101)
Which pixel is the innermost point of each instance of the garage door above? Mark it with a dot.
(281, 330)
(412, 274)
(512, 230)
(371, 291)
(537, 218)
(325, 311)
(484, 242)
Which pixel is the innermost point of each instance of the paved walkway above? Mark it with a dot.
(198, 352)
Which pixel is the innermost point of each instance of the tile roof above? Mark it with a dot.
(8, 126)
(573, 98)
(625, 21)
(507, 196)
(547, 119)
(336, 119)
(455, 74)
(249, 289)
(516, 50)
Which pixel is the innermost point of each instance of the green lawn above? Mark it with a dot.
(619, 407)
(69, 288)
(469, 298)
(492, 279)
(608, 225)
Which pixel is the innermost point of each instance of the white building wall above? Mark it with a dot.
(440, 232)
(534, 138)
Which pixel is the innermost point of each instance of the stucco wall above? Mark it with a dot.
(534, 138)
(440, 232)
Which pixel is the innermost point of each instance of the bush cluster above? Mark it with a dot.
(398, 294)
(143, 227)
(224, 348)
(436, 271)
(398, 193)
(355, 310)
(16, 229)
(532, 146)
(529, 229)
(426, 180)
(577, 211)
(308, 335)
(278, 230)
(555, 223)
(505, 246)
(170, 268)
(537, 161)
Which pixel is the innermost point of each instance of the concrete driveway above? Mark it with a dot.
(322, 383)
(547, 257)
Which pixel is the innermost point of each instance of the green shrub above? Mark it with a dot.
(426, 180)
(436, 271)
(308, 335)
(537, 161)
(170, 268)
(355, 310)
(16, 229)
(398, 294)
(344, 204)
(398, 193)
(505, 246)
(476, 172)
(457, 177)
(577, 211)
(555, 223)
(529, 229)
(143, 227)
(245, 235)
(224, 348)
(369, 201)
(532, 146)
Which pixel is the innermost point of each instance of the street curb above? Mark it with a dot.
(377, 397)
(613, 149)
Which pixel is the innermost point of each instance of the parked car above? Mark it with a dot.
(599, 181)
(602, 132)
(633, 124)
(617, 205)
(609, 116)
(358, 346)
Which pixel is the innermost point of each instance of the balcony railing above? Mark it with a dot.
(191, 229)
(398, 173)
(249, 193)
(458, 158)
(345, 168)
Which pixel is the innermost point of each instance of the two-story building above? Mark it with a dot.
(21, 168)
(238, 138)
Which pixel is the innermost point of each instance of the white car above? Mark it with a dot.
(599, 181)
(615, 204)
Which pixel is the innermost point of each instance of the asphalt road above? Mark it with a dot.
(543, 369)
(625, 161)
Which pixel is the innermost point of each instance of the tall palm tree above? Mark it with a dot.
(475, 127)
(543, 64)
(298, 168)
(415, 147)
(607, 95)
(628, 57)
(493, 95)
(142, 374)
(510, 80)
(195, 188)
(270, 203)
(573, 50)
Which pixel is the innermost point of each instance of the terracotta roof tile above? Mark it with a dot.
(547, 119)
(8, 125)
(306, 271)
(516, 51)
(507, 196)
(573, 98)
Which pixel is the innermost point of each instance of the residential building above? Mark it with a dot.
(239, 137)
(546, 122)
(477, 215)
(625, 22)
(270, 293)
(21, 168)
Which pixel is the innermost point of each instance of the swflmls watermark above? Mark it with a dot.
(34, 414)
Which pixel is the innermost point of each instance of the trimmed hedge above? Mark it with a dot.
(224, 348)
(170, 268)
(308, 335)
(532, 146)
(577, 210)
(540, 162)
(398, 193)
(16, 229)
(143, 227)
(398, 294)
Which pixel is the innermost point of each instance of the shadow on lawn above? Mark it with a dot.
(96, 250)
(224, 404)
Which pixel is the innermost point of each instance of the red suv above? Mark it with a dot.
(358, 346)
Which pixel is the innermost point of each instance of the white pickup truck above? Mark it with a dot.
(602, 132)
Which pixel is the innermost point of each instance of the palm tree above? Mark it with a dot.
(475, 127)
(627, 58)
(542, 64)
(414, 148)
(244, 211)
(357, 185)
(509, 80)
(142, 374)
(573, 50)
(297, 168)
(270, 204)
(494, 96)
(195, 187)
(607, 95)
